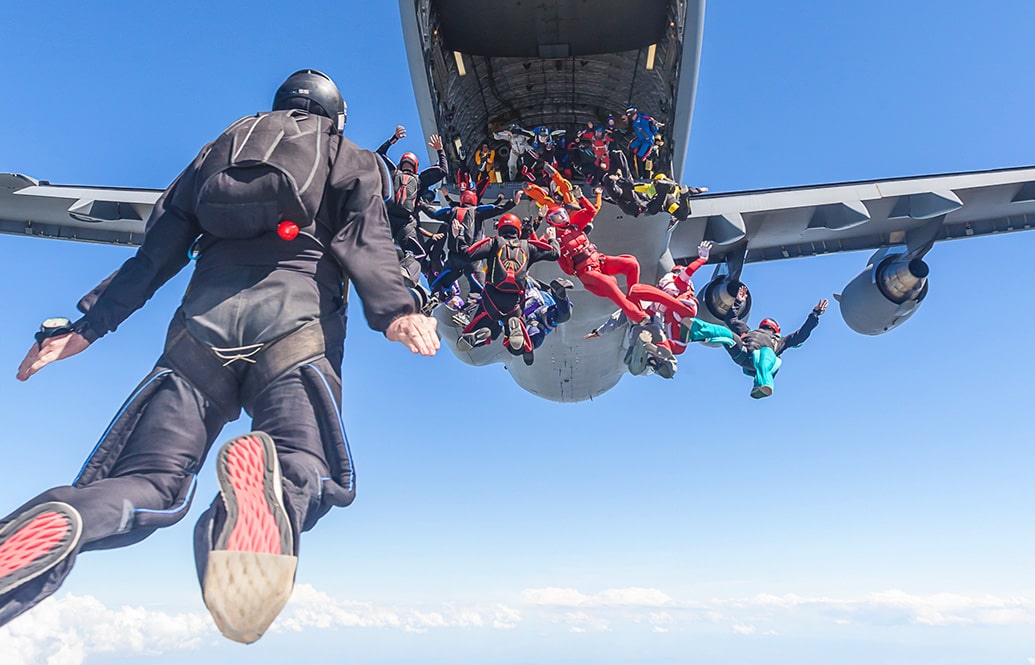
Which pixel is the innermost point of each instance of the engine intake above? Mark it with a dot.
(718, 296)
(885, 293)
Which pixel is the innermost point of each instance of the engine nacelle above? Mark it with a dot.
(885, 293)
(717, 297)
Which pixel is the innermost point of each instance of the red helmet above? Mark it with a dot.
(771, 324)
(409, 157)
(468, 197)
(509, 221)
(557, 216)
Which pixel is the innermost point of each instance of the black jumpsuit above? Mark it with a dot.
(244, 295)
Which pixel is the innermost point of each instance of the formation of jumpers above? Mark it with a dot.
(503, 298)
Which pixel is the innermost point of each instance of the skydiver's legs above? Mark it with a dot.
(140, 478)
(512, 164)
(623, 264)
(475, 276)
(255, 522)
(480, 331)
(606, 286)
(287, 413)
(708, 333)
(450, 273)
(560, 311)
(766, 364)
(636, 146)
(650, 293)
(409, 241)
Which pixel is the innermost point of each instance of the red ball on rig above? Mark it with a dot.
(287, 230)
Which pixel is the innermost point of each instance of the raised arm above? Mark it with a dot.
(171, 230)
(798, 337)
(400, 133)
(732, 321)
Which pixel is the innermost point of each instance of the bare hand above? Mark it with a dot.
(821, 306)
(517, 196)
(435, 141)
(54, 348)
(742, 293)
(438, 236)
(550, 234)
(400, 132)
(416, 332)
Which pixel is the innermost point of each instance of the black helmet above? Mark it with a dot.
(312, 91)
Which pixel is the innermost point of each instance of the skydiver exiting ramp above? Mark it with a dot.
(463, 227)
(509, 258)
(680, 329)
(596, 270)
(409, 187)
(656, 345)
(545, 308)
(275, 210)
(761, 348)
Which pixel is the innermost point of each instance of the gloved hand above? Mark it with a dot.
(704, 250)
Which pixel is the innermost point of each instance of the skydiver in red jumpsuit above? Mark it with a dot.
(678, 328)
(596, 270)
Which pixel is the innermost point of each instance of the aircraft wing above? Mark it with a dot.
(108, 215)
(808, 221)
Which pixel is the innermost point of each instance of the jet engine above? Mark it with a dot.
(885, 293)
(717, 297)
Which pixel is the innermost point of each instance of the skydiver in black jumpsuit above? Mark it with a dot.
(262, 328)
(409, 189)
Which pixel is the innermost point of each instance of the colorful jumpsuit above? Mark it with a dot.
(760, 350)
(507, 276)
(679, 329)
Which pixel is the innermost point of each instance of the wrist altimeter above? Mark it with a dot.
(53, 327)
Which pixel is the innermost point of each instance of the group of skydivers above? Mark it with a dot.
(633, 134)
(503, 298)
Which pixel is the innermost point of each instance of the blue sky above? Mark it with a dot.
(877, 509)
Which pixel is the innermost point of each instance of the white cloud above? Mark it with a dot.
(309, 608)
(505, 618)
(885, 608)
(632, 596)
(64, 631)
(941, 609)
(584, 622)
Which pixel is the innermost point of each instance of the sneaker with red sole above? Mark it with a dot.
(37, 540)
(251, 569)
(249, 481)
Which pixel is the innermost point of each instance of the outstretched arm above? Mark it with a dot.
(400, 133)
(703, 252)
(798, 337)
(415, 331)
(732, 321)
(54, 348)
(434, 174)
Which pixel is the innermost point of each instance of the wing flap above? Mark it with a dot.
(90, 214)
(809, 221)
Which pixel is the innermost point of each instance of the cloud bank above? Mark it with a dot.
(67, 629)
